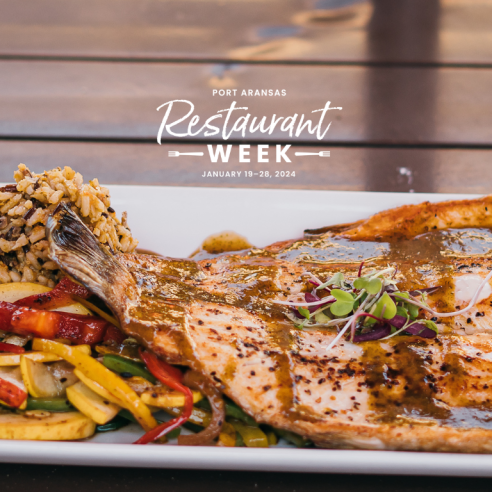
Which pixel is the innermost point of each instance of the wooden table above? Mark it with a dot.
(80, 83)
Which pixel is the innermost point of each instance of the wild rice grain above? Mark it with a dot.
(25, 208)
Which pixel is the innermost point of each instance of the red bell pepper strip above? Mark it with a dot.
(59, 297)
(78, 328)
(10, 347)
(113, 334)
(11, 394)
(172, 371)
(6, 311)
(161, 371)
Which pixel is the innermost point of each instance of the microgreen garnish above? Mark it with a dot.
(370, 305)
(344, 302)
(336, 280)
(304, 312)
(372, 286)
(385, 307)
(431, 325)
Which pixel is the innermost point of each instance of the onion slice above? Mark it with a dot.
(195, 380)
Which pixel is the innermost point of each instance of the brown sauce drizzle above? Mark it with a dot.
(397, 383)
(409, 386)
(400, 387)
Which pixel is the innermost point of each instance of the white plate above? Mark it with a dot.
(174, 221)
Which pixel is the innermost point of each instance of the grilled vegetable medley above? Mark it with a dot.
(68, 372)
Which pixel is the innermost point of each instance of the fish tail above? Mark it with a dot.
(78, 252)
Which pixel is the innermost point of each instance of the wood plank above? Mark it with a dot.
(119, 100)
(356, 169)
(422, 31)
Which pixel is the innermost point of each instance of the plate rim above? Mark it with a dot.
(367, 462)
(85, 453)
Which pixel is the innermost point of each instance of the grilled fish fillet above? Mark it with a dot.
(216, 315)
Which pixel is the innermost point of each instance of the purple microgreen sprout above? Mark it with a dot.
(313, 279)
(355, 317)
(310, 297)
(377, 333)
(403, 328)
(380, 302)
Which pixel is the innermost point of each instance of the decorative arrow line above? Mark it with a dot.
(325, 153)
(173, 153)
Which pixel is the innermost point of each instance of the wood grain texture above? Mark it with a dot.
(416, 31)
(119, 100)
(356, 169)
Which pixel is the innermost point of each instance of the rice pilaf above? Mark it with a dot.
(25, 208)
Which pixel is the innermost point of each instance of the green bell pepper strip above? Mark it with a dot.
(121, 365)
(127, 415)
(117, 423)
(239, 441)
(293, 438)
(199, 418)
(174, 433)
(246, 434)
(49, 404)
(231, 410)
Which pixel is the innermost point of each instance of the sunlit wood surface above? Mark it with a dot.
(80, 83)
(398, 31)
(382, 105)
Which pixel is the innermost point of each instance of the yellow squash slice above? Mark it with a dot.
(163, 397)
(37, 345)
(14, 359)
(139, 384)
(97, 388)
(39, 381)
(46, 426)
(154, 396)
(91, 404)
(18, 290)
